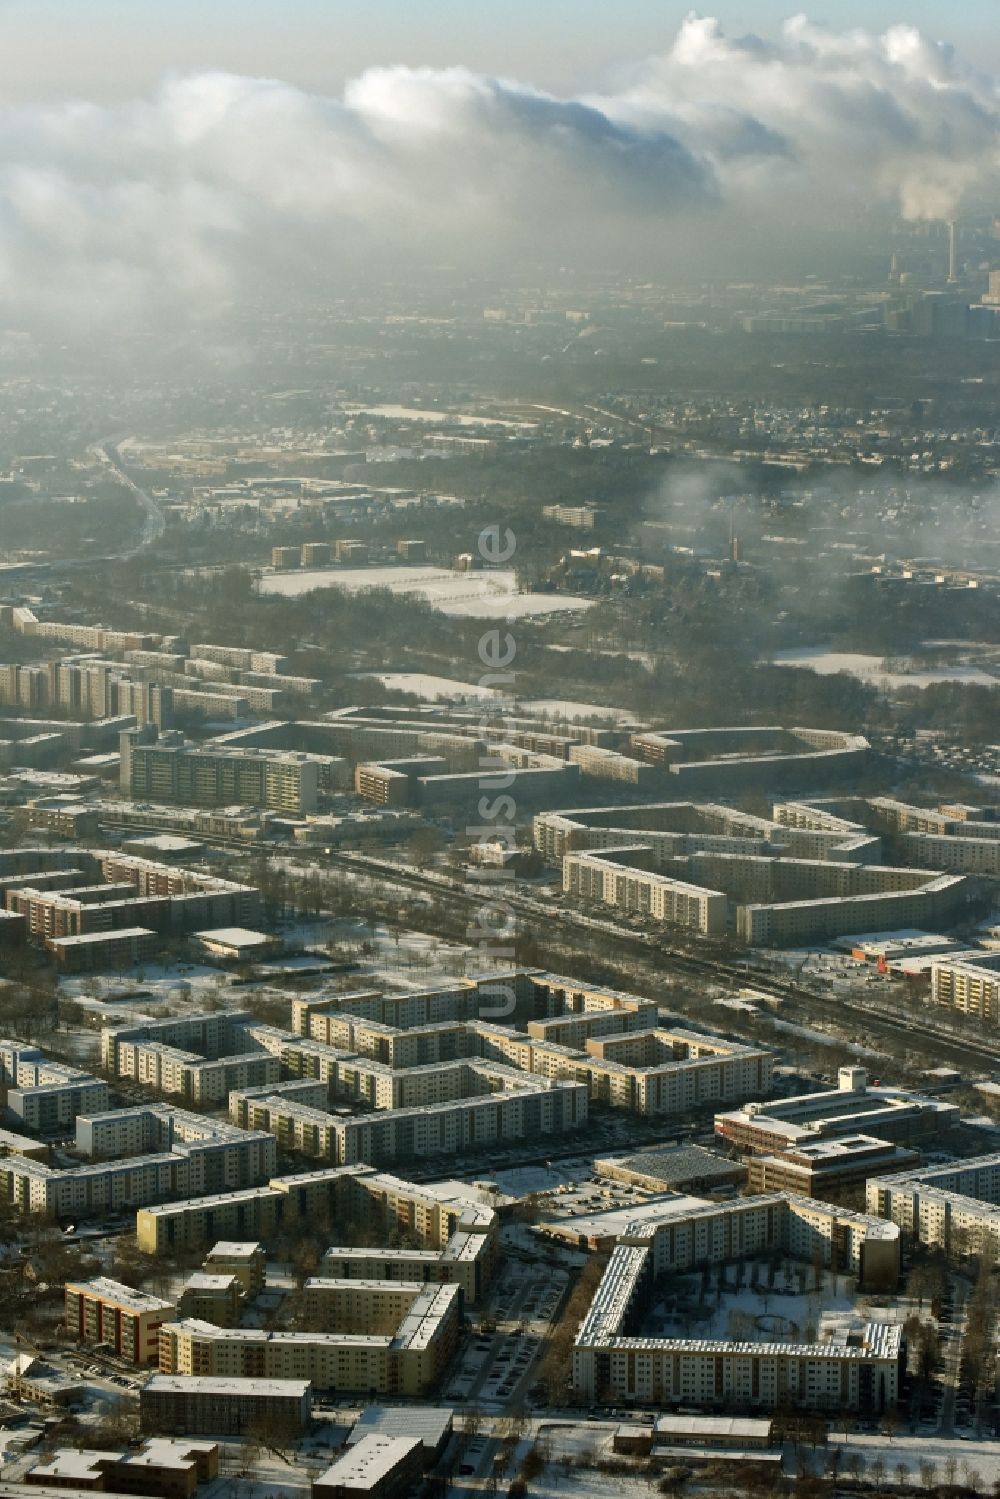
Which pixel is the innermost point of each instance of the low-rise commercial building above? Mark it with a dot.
(238, 944)
(14, 1144)
(852, 1108)
(675, 1168)
(377, 1467)
(432, 1425)
(720, 1433)
(166, 1467)
(29, 1378)
(710, 1439)
(67, 817)
(828, 1168)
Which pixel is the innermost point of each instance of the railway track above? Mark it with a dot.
(943, 1044)
(939, 1043)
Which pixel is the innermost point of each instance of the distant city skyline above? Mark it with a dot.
(109, 49)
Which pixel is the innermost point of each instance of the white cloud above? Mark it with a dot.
(891, 117)
(219, 183)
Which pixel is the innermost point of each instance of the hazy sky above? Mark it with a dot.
(105, 49)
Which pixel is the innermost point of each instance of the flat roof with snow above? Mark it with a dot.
(92, 939)
(237, 937)
(206, 1384)
(737, 1427)
(429, 1424)
(369, 1463)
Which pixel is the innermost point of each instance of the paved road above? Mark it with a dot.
(524, 1296)
(546, 921)
(154, 524)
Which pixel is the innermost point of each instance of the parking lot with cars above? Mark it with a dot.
(497, 1366)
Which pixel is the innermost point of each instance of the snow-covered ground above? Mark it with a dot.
(151, 990)
(272, 1484)
(741, 1303)
(173, 983)
(872, 668)
(647, 658)
(809, 1033)
(479, 595)
(559, 1482)
(433, 689)
(442, 418)
(448, 689)
(519, 1181)
(972, 1459)
(423, 958)
(411, 959)
(982, 1456)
